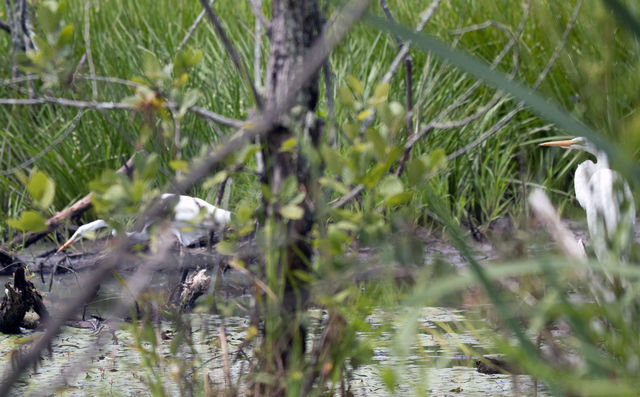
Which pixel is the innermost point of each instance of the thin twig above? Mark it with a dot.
(502, 122)
(87, 43)
(408, 70)
(257, 69)
(401, 56)
(5, 26)
(256, 7)
(192, 28)
(426, 16)
(204, 113)
(235, 57)
(224, 346)
(435, 122)
(46, 150)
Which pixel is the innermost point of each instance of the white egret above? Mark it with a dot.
(193, 219)
(607, 200)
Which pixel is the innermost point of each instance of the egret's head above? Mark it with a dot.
(580, 143)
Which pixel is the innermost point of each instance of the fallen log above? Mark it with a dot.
(75, 210)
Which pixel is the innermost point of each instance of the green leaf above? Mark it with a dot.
(399, 198)
(389, 378)
(372, 177)
(151, 65)
(30, 221)
(246, 153)
(380, 94)
(355, 85)
(297, 199)
(346, 97)
(390, 186)
(379, 144)
(48, 16)
(226, 248)
(364, 114)
(151, 166)
(332, 158)
(189, 99)
(186, 59)
(66, 34)
(437, 160)
(288, 145)
(219, 177)
(334, 185)
(351, 129)
(416, 171)
(179, 165)
(42, 189)
(291, 212)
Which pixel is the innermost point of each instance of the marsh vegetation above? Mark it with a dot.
(378, 159)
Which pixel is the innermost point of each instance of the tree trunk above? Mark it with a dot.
(295, 25)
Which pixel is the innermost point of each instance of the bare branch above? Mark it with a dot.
(5, 26)
(256, 7)
(204, 113)
(192, 28)
(435, 122)
(257, 68)
(235, 57)
(340, 202)
(209, 115)
(46, 150)
(64, 102)
(408, 70)
(87, 43)
(503, 121)
(426, 16)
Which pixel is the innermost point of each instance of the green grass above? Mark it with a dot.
(595, 78)
(484, 183)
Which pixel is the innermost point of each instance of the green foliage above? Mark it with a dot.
(482, 185)
(42, 191)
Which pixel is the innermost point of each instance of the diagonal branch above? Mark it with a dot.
(235, 57)
(5, 26)
(503, 121)
(192, 28)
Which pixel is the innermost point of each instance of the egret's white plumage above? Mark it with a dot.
(607, 200)
(193, 219)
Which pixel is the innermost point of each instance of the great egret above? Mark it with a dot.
(193, 219)
(607, 200)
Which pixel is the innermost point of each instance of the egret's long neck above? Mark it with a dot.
(602, 159)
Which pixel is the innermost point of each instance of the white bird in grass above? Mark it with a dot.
(607, 200)
(193, 219)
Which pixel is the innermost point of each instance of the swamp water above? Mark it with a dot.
(108, 362)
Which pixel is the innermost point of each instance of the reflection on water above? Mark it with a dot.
(80, 366)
